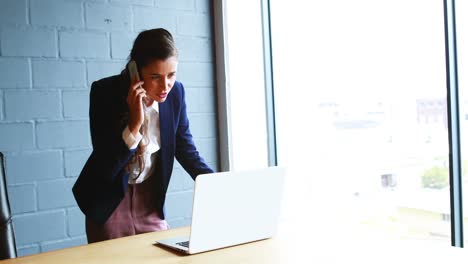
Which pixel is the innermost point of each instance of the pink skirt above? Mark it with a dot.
(136, 214)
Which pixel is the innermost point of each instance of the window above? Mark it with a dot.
(360, 98)
(246, 85)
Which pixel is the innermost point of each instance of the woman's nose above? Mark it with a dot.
(166, 84)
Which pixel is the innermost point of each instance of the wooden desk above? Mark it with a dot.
(140, 249)
(291, 245)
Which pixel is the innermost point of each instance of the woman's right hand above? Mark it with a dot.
(135, 105)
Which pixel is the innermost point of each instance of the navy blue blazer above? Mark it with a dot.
(103, 181)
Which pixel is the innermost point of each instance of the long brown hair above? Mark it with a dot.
(149, 45)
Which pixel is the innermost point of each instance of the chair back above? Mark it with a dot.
(7, 234)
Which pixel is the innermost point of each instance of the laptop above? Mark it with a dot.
(232, 208)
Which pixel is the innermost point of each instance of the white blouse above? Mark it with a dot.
(154, 135)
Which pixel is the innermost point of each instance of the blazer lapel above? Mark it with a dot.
(165, 124)
(167, 137)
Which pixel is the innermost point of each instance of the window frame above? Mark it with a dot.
(455, 171)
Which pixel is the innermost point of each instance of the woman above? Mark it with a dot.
(137, 128)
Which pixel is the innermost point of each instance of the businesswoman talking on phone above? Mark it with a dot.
(137, 129)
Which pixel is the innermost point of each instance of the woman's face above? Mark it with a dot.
(159, 77)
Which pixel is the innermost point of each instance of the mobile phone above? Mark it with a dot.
(133, 70)
(135, 77)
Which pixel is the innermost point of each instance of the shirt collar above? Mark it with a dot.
(154, 106)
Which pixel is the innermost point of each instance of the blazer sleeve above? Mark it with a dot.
(186, 152)
(110, 153)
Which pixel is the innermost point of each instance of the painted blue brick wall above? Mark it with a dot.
(195, 49)
(100, 69)
(48, 193)
(28, 41)
(50, 53)
(145, 17)
(23, 198)
(32, 105)
(176, 5)
(75, 104)
(75, 222)
(121, 44)
(58, 73)
(91, 44)
(41, 226)
(53, 13)
(15, 72)
(135, 2)
(196, 74)
(74, 160)
(17, 136)
(57, 134)
(14, 12)
(41, 166)
(105, 17)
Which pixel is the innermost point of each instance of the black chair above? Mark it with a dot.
(7, 234)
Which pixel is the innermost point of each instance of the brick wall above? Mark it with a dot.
(50, 53)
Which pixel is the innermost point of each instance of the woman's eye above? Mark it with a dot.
(155, 77)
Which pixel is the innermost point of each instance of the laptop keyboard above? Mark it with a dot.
(183, 244)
